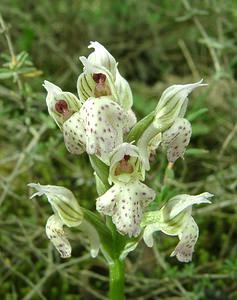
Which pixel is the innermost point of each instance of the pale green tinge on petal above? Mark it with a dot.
(74, 134)
(126, 164)
(181, 202)
(62, 201)
(125, 203)
(172, 104)
(101, 56)
(109, 84)
(56, 234)
(146, 144)
(123, 91)
(174, 218)
(102, 121)
(85, 87)
(55, 94)
(92, 234)
(188, 238)
(176, 139)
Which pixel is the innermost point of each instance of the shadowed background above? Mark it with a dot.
(157, 43)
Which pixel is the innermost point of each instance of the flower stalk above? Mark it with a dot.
(116, 279)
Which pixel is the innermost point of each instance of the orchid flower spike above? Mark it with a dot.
(175, 218)
(102, 78)
(168, 128)
(61, 105)
(67, 212)
(126, 200)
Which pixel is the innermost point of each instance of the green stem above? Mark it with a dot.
(116, 280)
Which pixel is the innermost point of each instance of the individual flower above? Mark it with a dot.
(175, 219)
(67, 212)
(101, 77)
(96, 127)
(168, 128)
(126, 200)
(61, 105)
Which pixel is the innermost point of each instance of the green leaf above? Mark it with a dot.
(140, 127)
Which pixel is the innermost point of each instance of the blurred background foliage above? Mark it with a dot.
(157, 43)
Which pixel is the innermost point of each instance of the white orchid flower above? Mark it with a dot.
(126, 200)
(168, 127)
(67, 212)
(61, 105)
(102, 78)
(175, 219)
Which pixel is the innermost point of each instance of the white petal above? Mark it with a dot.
(74, 134)
(129, 121)
(180, 203)
(55, 232)
(101, 56)
(176, 139)
(124, 91)
(51, 88)
(105, 204)
(125, 203)
(188, 238)
(178, 92)
(102, 120)
(172, 104)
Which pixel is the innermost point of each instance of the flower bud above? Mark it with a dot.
(61, 105)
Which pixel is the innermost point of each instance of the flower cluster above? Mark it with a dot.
(101, 123)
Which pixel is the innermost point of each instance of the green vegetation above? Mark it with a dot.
(157, 43)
